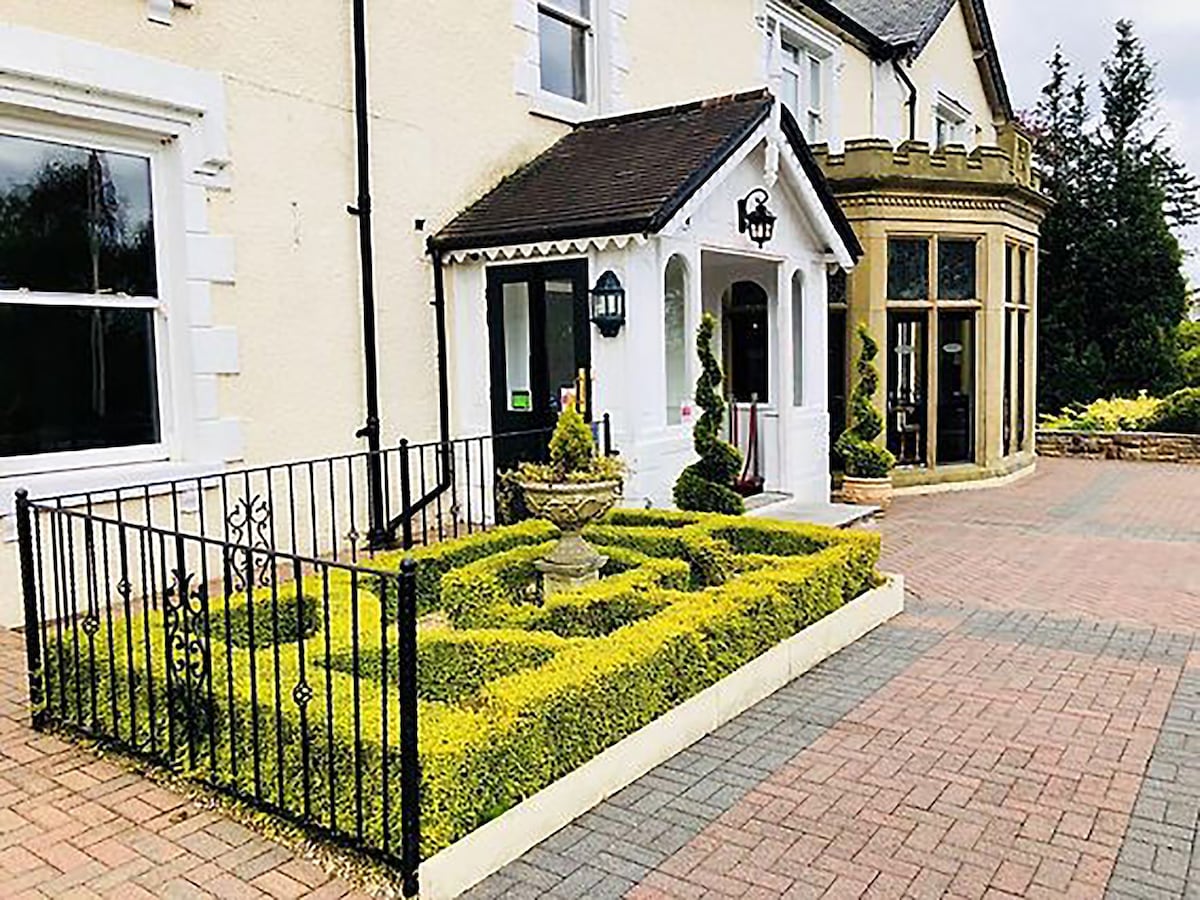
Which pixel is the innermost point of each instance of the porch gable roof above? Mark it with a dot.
(626, 174)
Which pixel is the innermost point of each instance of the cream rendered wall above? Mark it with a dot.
(856, 94)
(947, 64)
(713, 48)
(447, 125)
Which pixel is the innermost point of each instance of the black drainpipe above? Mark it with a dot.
(377, 535)
(410, 507)
(911, 103)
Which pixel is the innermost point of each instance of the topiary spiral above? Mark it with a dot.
(707, 485)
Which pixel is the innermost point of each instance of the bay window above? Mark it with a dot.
(79, 304)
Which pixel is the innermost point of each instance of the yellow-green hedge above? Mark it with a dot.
(505, 710)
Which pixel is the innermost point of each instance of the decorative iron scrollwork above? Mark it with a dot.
(90, 624)
(249, 553)
(302, 694)
(187, 648)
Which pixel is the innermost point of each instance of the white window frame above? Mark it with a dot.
(153, 152)
(955, 117)
(815, 45)
(801, 69)
(103, 95)
(557, 105)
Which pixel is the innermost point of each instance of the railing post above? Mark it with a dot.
(33, 627)
(410, 764)
(608, 444)
(406, 511)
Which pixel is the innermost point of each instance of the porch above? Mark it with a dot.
(583, 278)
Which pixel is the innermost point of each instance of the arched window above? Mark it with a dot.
(798, 338)
(747, 326)
(675, 337)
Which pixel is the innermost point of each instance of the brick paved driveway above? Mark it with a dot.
(1028, 728)
(73, 825)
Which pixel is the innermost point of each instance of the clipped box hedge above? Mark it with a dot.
(516, 689)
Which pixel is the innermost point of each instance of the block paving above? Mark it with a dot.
(1028, 728)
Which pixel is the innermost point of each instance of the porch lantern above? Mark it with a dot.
(608, 305)
(758, 222)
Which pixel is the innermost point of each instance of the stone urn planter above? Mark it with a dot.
(571, 506)
(867, 491)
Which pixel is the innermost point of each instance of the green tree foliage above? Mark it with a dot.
(1112, 293)
(1189, 353)
(707, 485)
(864, 458)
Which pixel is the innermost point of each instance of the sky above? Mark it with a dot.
(1028, 30)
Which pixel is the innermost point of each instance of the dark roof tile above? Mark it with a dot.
(622, 175)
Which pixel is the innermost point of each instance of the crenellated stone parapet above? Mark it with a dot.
(873, 165)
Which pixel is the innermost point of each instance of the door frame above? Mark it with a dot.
(543, 411)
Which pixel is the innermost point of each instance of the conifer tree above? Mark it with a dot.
(1112, 293)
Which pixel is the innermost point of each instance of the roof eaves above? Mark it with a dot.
(992, 59)
(675, 202)
(876, 46)
(538, 235)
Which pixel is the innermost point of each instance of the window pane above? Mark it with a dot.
(1024, 276)
(791, 55)
(791, 91)
(580, 8)
(1009, 250)
(74, 220)
(956, 270)
(675, 337)
(516, 347)
(563, 57)
(96, 389)
(814, 82)
(837, 286)
(560, 342)
(908, 269)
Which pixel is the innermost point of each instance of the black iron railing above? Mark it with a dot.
(245, 629)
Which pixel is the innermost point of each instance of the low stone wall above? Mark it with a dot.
(1127, 445)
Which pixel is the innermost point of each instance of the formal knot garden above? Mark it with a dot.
(291, 695)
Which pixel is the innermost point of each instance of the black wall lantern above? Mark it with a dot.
(608, 305)
(758, 222)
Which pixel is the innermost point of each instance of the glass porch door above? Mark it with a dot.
(540, 352)
(907, 387)
(956, 387)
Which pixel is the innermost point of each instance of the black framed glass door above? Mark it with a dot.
(907, 386)
(956, 387)
(540, 352)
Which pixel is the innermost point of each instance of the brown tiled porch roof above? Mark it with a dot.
(623, 175)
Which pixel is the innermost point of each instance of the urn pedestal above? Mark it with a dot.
(573, 562)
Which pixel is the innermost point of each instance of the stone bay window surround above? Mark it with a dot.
(947, 283)
(928, 164)
(652, 197)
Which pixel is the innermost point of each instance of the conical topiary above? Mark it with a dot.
(864, 458)
(707, 485)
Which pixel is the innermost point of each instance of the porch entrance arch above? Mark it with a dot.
(747, 342)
